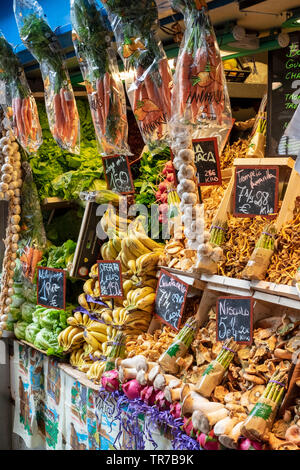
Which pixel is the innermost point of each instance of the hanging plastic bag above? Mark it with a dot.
(33, 237)
(41, 41)
(16, 100)
(148, 78)
(98, 64)
(200, 97)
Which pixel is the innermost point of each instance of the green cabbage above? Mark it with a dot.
(36, 314)
(26, 311)
(29, 291)
(49, 318)
(18, 288)
(10, 325)
(19, 329)
(15, 313)
(31, 331)
(17, 300)
(46, 339)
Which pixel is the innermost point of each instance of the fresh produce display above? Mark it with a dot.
(285, 260)
(42, 42)
(200, 97)
(59, 257)
(148, 77)
(11, 182)
(91, 37)
(234, 411)
(17, 102)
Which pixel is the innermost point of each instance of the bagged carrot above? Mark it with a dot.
(148, 78)
(200, 97)
(92, 37)
(17, 102)
(41, 41)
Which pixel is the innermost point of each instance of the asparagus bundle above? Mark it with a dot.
(214, 373)
(118, 350)
(258, 141)
(266, 240)
(218, 233)
(179, 347)
(261, 418)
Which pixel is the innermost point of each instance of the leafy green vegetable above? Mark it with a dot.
(15, 313)
(26, 311)
(31, 331)
(46, 339)
(19, 329)
(60, 256)
(49, 318)
(17, 300)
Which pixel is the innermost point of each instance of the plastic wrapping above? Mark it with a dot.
(200, 97)
(33, 236)
(41, 41)
(98, 64)
(16, 100)
(148, 78)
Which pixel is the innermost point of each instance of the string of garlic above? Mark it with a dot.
(10, 190)
(192, 211)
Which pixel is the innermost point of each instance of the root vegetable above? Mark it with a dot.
(189, 198)
(126, 374)
(186, 172)
(186, 155)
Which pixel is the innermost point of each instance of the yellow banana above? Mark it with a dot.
(111, 250)
(77, 338)
(116, 241)
(97, 326)
(135, 295)
(147, 262)
(100, 337)
(78, 317)
(106, 317)
(136, 247)
(90, 339)
(127, 285)
(127, 254)
(146, 301)
(73, 333)
(151, 282)
(132, 265)
(72, 321)
(144, 291)
(148, 242)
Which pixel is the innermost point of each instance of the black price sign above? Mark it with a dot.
(207, 161)
(110, 278)
(51, 288)
(256, 191)
(118, 174)
(235, 319)
(170, 299)
(283, 97)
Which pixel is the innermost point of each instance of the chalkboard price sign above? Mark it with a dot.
(235, 319)
(207, 161)
(256, 191)
(170, 299)
(51, 288)
(118, 174)
(110, 278)
(283, 97)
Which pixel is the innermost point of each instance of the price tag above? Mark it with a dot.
(256, 191)
(235, 319)
(110, 278)
(170, 299)
(207, 161)
(118, 174)
(51, 288)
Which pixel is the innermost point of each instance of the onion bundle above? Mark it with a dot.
(11, 182)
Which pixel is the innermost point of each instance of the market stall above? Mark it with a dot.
(150, 261)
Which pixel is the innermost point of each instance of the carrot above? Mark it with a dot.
(26, 258)
(74, 122)
(35, 259)
(19, 120)
(25, 121)
(15, 126)
(166, 85)
(106, 92)
(65, 109)
(199, 63)
(100, 91)
(29, 116)
(59, 117)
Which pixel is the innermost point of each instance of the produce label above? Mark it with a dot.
(262, 410)
(110, 278)
(283, 97)
(207, 161)
(235, 319)
(51, 288)
(256, 191)
(118, 174)
(170, 299)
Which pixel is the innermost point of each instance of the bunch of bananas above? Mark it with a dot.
(141, 298)
(80, 359)
(70, 338)
(112, 224)
(133, 322)
(96, 334)
(111, 248)
(79, 320)
(96, 370)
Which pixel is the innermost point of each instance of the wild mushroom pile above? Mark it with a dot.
(10, 190)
